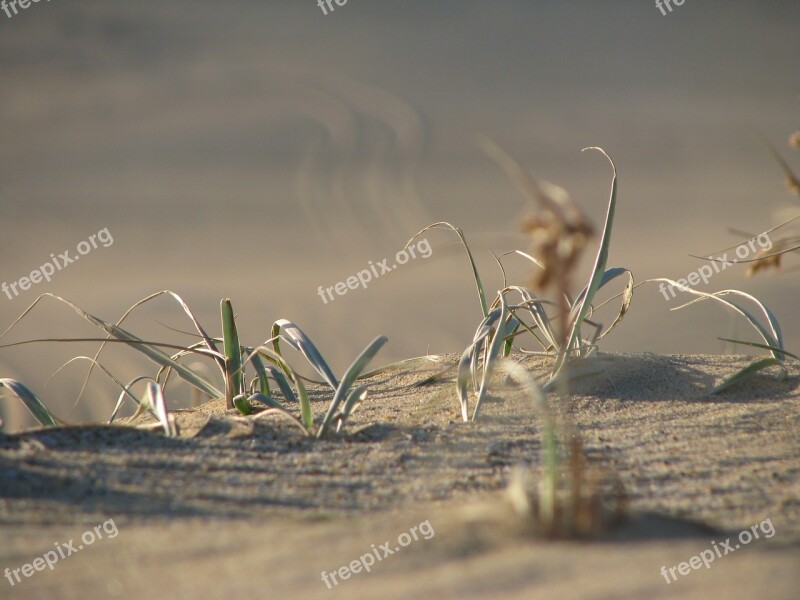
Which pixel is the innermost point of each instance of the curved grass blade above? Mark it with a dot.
(749, 370)
(126, 393)
(268, 400)
(156, 399)
(627, 298)
(302, 394)
(763, 346)
(147, 348)
(503, 329)
(352, 373)
(773, 338)
(301, 342)
(31, 402)
(597, 271)
(208, 340)
(124, 388)
(475, 274)
(263, 379)
(356, 397)
(242, 404)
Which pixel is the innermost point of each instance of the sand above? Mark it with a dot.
(255, 510)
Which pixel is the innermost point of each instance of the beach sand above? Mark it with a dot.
(254, 510)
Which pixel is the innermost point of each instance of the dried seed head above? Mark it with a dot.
(558, 234)
(769, 259)
(793, 185)
(794, 140)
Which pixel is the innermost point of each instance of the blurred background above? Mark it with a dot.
(259, 150)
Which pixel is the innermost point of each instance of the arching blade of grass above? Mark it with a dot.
(242, 404)
(598, 271)
(495, 349)
(772, 338)
(467, 364)
(218, 358)
(148, 349)
(234, 374)
(763, 346)
(460, 234)
(31, 402)
(302, 394)
(350, 376)
(355, 398)
(268, 400)
(263, 379)
(462, 381)
(125, 393)
(125, 388)
(301, 342)
(156, 399)
(749, 370)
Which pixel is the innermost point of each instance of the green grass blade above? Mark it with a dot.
(597, 271)
(772, 338)
(763, 346)
(301, 342)
(268, 400)
(305, 404)
(121, 335)
(155, 397)
(31, 402)
(748, 371)
(356, 397)
(350, 376)
(495, 349)
(475, 274)
(234, 374)
(263, 378)
(462, 381)
(126, 393)
(242, 404)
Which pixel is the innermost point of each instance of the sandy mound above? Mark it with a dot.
(251, 508)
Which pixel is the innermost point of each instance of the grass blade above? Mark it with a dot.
(597, 271)
(495, 349)
(234, 373)
(31, 402)
(758, 365)
(155, 397)
(301, 342)
(350, 376)
(475, 274)
(763, 346)
(355, 398)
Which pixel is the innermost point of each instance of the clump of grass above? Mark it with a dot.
(267, 362)
(559, 233)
